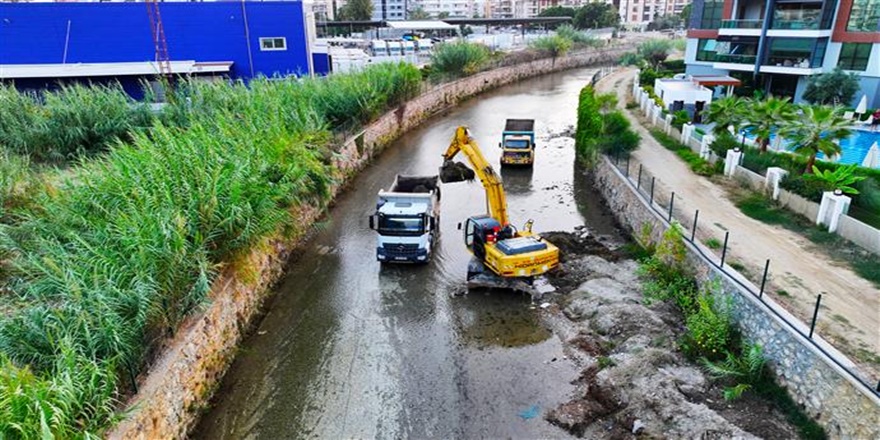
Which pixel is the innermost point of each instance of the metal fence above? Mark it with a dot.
(662, 201)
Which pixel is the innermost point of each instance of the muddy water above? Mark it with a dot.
(352, 349)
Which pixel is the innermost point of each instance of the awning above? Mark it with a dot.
(424, 25)
(715, 80)
(72, 70)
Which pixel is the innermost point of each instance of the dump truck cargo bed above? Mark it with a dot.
(519, 125)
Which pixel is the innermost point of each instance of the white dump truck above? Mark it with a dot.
(407, 219)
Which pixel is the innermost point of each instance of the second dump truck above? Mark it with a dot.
(518, 142)
(407, 219)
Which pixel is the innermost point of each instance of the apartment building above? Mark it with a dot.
(638, 13)
(530, 8)
(452, 8)
(389, 10)
(781, 43)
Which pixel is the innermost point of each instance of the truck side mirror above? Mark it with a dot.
(373, 222)
(432, 223)
(459, 226)
(499, 145)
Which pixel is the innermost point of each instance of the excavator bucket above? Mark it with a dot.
(455, 172)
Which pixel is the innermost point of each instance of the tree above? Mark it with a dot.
(664, 22)
(654, 51)
(725, 112)
(558, 11)
(443, 15)
(766, 116)
(833, 88)
(685, 14)
(356, 10)
(817, 129)
(418, 14)
(596, 15)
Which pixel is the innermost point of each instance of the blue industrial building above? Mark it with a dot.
(42, 44)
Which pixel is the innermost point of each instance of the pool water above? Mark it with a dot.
(853, 149)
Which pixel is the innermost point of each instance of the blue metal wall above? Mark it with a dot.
(35, 33)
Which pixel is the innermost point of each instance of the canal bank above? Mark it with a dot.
(190, 366)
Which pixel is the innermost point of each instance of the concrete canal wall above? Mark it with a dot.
(837, 401)
(183, 378)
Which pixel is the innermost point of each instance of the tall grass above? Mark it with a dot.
(74, 121)
(130, 245)
(458, 59)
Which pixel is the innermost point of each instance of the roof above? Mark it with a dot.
(420, 25)
(507, 21)
(680, 84)
(715, 80)
(71, 70)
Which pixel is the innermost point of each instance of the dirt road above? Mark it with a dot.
(850, 312)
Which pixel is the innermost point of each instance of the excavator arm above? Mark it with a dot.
(495, 198)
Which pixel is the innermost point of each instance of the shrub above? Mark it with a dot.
(458, 59)
(579, 39)
(723, 142)
(708, 327)
(696, 163)
(680, 117)
(747, 368)
(553, 45)
(674, 66)
(631, 59)
(71, 122)
(17, 184)
(117, 258)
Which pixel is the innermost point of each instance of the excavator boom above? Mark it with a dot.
(510, 256)
(495, 198)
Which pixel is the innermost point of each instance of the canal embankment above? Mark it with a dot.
(190, 366)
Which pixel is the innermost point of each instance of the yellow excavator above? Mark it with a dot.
(511, 254)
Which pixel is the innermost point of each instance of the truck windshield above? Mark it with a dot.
(401, 225)
(516, 144)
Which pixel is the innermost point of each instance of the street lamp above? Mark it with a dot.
(742, 142)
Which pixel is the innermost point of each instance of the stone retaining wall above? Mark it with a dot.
(191, 365)
(844, 407)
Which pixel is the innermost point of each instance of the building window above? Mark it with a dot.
(635, 17)
(864, 16)
(273, 43)
(712, 15)
(706, 50)
(854, 56)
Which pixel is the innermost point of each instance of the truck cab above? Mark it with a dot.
(407, 219)
(518, 142)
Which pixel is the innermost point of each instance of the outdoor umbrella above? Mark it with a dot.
(872, 159)
(863, 105)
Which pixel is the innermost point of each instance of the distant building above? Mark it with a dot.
(638, 13)
(42, 44)
(389, 10)
(449, 8)
(779, 44)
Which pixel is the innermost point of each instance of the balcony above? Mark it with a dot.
(799, 62)
(741, 24)
(736, 59)
(797, 25)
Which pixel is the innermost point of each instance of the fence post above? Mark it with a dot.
(639, 184)
(671, 202)
(652, 191)
(764, 279)
(815, 315)
(694, 231)
(724, 250)
(627, 167)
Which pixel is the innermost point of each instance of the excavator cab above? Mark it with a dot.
(479, 231)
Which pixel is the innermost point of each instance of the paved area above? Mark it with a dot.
(850, 314)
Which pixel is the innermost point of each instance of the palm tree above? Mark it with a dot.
(766, 116)
(817, 129)
(725, 112)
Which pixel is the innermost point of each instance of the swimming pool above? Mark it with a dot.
(853, 149)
